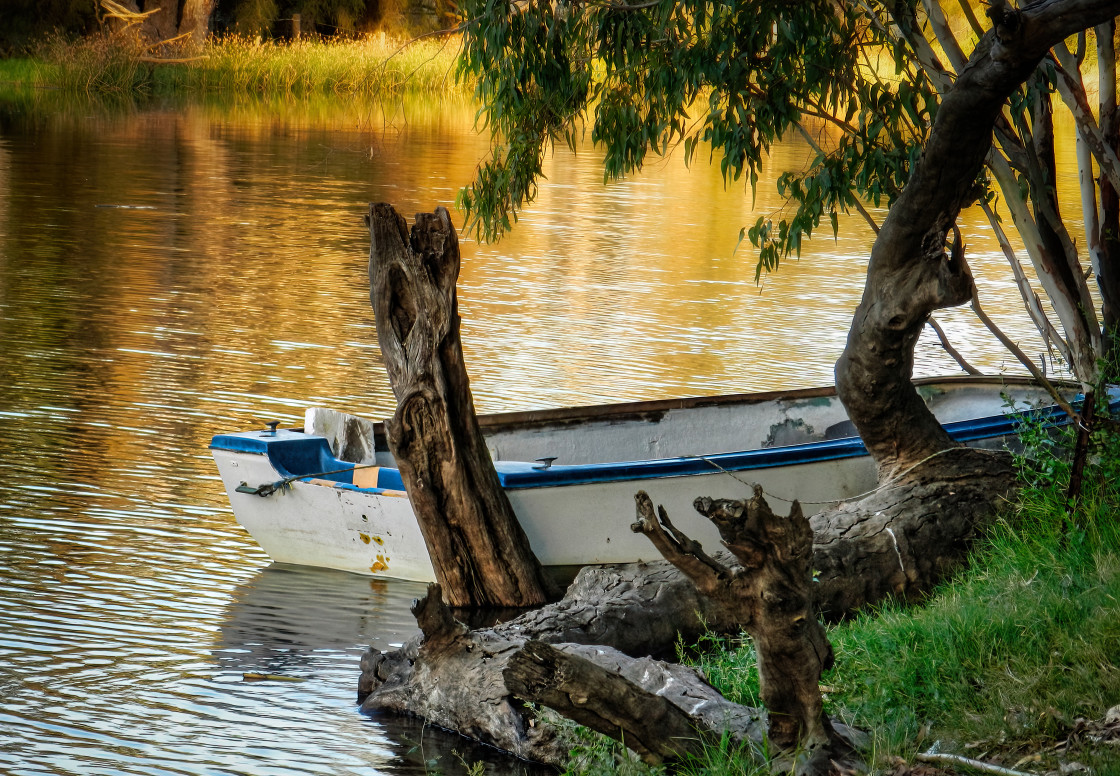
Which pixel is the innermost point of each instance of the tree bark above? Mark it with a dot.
(664, 711)
(909, 274)
(195, 20)
(1108, 273)
(453, 676)
(772, 588)
(479, 551)
(173, 18)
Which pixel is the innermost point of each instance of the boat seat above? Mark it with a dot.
(350, 437)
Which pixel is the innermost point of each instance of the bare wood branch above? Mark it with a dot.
(1033, 305)
(1083, 344)
(662, 711)
(938, 758)
(1023, 358)
(944, 34)
(1072, 90)
(953, 352)
(708, 574)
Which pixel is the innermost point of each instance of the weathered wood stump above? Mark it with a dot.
(480, 552)
(772, 587)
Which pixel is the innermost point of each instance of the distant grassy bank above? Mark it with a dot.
(377, 65)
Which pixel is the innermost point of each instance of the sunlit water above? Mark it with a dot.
(168, 273)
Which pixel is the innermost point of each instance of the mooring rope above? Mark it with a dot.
(886, 484)
(268, 488)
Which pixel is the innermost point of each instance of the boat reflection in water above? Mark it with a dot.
(295, 634)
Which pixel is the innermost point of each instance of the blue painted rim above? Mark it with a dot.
(516, 475)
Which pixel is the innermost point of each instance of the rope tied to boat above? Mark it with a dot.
(268, 488)
(891, 481)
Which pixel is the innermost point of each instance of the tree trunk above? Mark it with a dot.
(195, 20)
(1108, 273)
(479, 551)
(173, 18)
(909, 274)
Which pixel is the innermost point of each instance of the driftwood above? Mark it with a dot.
(479, 551)
(663, 711)
(453, 676)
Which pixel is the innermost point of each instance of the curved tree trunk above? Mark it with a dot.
(909, 274)
(479, 551)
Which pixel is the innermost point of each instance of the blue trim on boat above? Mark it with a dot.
(293, 452)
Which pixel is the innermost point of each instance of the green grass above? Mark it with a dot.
(20, 72)
(373, 66)
(1000, 662)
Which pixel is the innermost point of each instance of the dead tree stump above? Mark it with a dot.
(772, 588)
(479, 551)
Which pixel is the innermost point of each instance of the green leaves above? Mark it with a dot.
(734, 76)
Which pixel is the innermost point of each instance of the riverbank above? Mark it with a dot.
(373, 66)
(1015, 662)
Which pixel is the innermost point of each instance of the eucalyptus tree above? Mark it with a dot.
(914, 121)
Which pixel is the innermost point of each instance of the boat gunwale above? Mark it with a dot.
(516, 475)
(641, 410)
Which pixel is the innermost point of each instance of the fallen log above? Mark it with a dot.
(476, 681)
(452, 676)
(899, 541)
(665, 711)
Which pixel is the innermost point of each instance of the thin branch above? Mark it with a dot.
(1030, 299)
(944, 34)
(1072, 89)
(165, 61)
(625, 7)
(449, 31)
(1023, 358)
(858, 205)
(956, 759)
(1083, 344)
(966, 9)
(950, 349)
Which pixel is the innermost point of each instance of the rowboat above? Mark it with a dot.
(330, 495)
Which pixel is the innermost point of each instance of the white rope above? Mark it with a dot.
(886, 484)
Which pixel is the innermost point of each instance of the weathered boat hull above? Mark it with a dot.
(579, 513)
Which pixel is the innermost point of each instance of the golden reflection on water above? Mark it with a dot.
(172, 272)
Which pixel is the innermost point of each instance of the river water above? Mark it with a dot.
(169, 272)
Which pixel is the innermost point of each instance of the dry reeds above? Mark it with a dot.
(371, 66)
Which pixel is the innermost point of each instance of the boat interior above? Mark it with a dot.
(678, 428)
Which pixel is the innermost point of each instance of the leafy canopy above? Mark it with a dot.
(734, 77)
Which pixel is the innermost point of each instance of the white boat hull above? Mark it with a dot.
(573, 515)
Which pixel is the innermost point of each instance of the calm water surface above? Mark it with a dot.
(171, 272)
